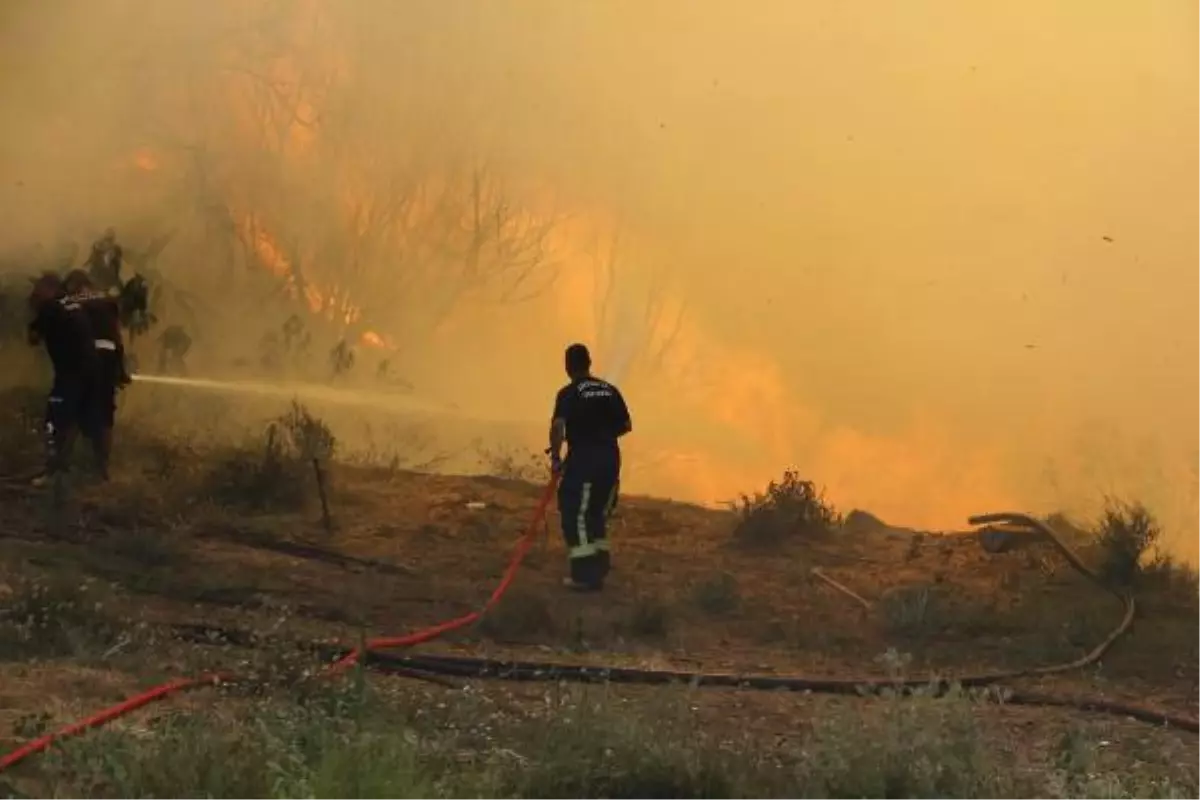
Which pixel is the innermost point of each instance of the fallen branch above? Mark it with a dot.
(816, 571)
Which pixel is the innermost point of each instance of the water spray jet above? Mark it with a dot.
(382, 401)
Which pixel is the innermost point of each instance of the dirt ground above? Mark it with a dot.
(409, 549)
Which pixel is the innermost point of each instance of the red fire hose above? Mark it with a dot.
(180, 684)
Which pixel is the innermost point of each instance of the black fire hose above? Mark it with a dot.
(423, 666)
(465, 667)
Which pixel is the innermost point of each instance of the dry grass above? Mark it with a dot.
(717, 594)
(49, 616)
(279, 473)
(649, 618)
(513, 464)
(184, 552)
(519, 614)
(352, 741)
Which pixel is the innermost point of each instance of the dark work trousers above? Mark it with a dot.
(587, 494)
(100, 403)
(64, 413)
(100, 394)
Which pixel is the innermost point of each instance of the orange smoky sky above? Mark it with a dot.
(939, 257)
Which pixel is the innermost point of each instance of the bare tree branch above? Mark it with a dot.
(642, 310)
(378, 230)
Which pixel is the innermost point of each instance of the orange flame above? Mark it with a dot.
(373, 339)
(264, 246)
(320, 300)
(145, 160)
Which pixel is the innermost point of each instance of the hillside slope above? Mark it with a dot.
(98, 594)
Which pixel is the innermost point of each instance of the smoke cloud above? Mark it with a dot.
(939, 257)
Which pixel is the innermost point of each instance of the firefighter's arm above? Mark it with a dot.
(558, 430)
(558, 434)
(626, 425)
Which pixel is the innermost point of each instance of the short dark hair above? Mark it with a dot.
(578, 358)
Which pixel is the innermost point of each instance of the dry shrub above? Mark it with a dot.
(1131, 555)
(513, 464)
(717, 594)
(1175, 581)
(649, 618)
(49, 616)
(277, 471)
(396, 447)
(21, 415)
(911, 611)
(519, 613)
(1128, 534)
(788, 509)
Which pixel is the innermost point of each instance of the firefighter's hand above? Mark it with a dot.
(555, 464)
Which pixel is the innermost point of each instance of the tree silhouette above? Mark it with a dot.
(289, 153)
(638, 321)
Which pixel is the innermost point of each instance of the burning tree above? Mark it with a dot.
(286, 149)
(422, 250)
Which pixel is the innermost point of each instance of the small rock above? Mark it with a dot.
(858, 521)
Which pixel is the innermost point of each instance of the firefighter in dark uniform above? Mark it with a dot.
(590, 415)
(341, 359)
(62, 326)
(105, 261)
(173, 346)
(103, 313)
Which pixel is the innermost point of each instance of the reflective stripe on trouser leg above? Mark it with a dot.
(583, 547)
(611, 506)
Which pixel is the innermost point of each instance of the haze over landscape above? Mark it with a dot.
(939, 257)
